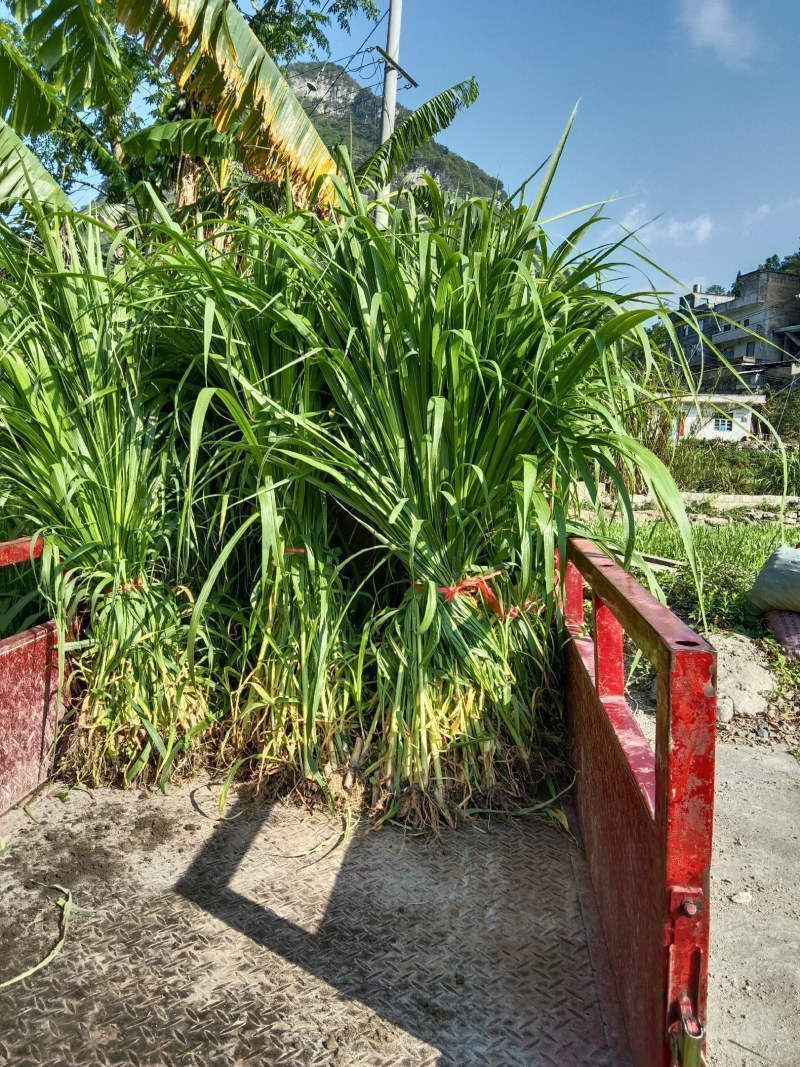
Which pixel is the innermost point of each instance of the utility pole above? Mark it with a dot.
(389, 108)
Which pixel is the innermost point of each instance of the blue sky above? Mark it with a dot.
(689, 112)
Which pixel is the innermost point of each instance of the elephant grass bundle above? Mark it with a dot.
(88, 460)
(308, 482)
(440, 388)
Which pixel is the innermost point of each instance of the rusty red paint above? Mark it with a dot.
(573, 596)
(609, 664)
(28, 695)
(20, 551)
(646, 820)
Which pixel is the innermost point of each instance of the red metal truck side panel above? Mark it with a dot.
(615, 813)
(19, 551)
(647, 821)
(28, 692)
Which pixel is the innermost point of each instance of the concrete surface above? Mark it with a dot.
(754, 994)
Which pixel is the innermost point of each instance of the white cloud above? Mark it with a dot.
(634, 217)
(682, 232)
(718, 25)
(760, 212)
(750, 218)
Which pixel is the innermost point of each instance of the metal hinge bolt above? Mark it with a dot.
(686, 1035)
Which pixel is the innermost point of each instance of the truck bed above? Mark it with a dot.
(272, 937)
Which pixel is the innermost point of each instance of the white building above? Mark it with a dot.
(719, 416)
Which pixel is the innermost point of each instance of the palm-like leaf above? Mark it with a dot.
(190, 137)
(218, 61)
(428, 120)
(32, 106)
(29, 104)
(75, 42)
(22, 175)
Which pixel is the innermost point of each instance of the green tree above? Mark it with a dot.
(791, 263)
(717, 290)
(772, 262)
(292, 28)
(232, 103)
(67, 87)
(88, 132)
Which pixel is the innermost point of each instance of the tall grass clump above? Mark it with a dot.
(307, 482)
(722, 467)
(87, 461)
(439, 388)
(729, 559)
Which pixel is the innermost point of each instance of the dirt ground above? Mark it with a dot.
(754, 991)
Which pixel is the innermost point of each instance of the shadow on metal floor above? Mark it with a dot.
(256, 941)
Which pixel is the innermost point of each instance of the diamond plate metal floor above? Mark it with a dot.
(256, 941)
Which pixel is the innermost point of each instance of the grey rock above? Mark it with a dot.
(743, 676)
(725, 708)
(749, 705)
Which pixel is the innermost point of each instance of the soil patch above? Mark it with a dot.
(153, 826)
(752, 709)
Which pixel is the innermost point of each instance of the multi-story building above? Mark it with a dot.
(756, 330)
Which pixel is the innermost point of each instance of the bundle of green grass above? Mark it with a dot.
(305, 483)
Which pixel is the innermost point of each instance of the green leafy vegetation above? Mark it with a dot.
(729, 559)
(78, 85)
(303, 480)
(719, 467)
(783, 411)
(228, 123)
(289, 28)
(789, 264)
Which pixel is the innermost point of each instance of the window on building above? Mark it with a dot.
(726, 327)
(745, 322)
(723, 425)
(751, 348)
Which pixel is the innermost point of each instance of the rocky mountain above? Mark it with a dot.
(347, 113)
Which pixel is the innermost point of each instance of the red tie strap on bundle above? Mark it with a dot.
(129, 585)
(466, 585)
(481, 585)
(294, 551)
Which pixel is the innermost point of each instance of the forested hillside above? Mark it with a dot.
(347, 113)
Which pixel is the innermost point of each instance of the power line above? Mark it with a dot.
(344, 70)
